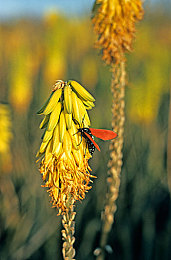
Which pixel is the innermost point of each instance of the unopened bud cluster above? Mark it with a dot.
(114, 22)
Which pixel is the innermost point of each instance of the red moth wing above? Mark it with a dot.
(103, 133)
(91, 139)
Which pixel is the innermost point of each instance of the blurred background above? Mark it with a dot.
(41, 42)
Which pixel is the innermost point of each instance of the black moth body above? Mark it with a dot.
(89, 143)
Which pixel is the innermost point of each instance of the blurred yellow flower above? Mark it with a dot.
(89, 71)
(114, 22)
(149, 85)
(55, 66)
(64, 166)
(20, 91)
(51, 18)
(55, 48)
(6, 137)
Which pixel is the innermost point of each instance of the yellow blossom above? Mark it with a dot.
(114, 22)
(5, 140)
(64, 166)
(20, 91)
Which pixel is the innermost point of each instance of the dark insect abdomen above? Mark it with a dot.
(90, 145)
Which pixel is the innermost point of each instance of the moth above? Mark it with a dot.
(89, 133)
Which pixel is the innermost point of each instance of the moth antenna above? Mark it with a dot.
(76, 122)
(83, 121)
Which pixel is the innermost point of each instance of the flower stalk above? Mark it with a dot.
(116, 154)
(114, 23)
(69, 230)
(169, 147)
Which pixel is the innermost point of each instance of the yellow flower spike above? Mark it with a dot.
(64, 166)
(52, 102)
(68, 99)
(84, 149)
(58, 150)
(84, 113)
(74, 136)
(44, 122)
(68, 119)
(67, 144)
(56, 136)
(76, 109)
(84, 94)
(42, 148)
(48, 153)
(44, 105)
(47, 136)
(62, 127)
(54, 116)
(45, 173)
(56, 189)
(57, 145)
(72, 165)
(114, 23)
(88, 104)
(78, 155)
(49, 182)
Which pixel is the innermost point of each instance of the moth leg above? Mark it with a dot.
(85, 149)
(80, 141)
